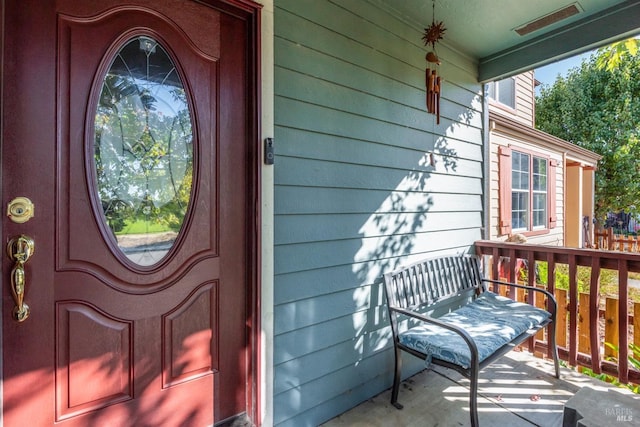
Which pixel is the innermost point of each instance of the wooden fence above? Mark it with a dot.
(585, 320)
(605, 238)
(607, 321)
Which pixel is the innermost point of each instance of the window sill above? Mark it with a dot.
(535, 232)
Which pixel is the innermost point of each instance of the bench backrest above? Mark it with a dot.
(431, 281)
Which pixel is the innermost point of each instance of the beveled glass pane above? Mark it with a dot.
(143, 150)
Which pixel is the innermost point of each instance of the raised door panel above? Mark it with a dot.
(189, 342)
(94, 360)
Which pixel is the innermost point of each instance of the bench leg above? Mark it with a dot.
(397, 376)
(551, 330)
(473, 398)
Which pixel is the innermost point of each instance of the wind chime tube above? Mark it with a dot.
(427, 76)
(429, 85)
(433, 92)
(438, 88)
(434, 105)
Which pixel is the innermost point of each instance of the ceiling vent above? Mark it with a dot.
(552, 18)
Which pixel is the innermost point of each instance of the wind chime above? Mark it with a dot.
(432, 34)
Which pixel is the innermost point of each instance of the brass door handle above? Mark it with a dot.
(19, 250)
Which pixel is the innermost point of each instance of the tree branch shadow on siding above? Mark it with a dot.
(394, 226)
(395, 234)
(321, 367)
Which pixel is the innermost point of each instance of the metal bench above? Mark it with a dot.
(441, 311)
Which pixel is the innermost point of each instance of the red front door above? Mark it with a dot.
(129, 126)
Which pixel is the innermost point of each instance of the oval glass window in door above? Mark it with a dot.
(143, 150)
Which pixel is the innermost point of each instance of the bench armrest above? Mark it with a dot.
(473, 349)
(550, 297)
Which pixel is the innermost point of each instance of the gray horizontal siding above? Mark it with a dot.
(321, 119)
(318, 228)
(323, 146)
(295, 372)
(365, 181)
(318, 336)
(314, 255)
(326, 388)
(317, 173)
(342, 399)
(307, 200)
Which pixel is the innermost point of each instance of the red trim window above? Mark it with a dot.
(527, 192)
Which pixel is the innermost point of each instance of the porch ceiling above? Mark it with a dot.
(485, 30)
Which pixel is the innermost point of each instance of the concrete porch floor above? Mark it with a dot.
(517, 390)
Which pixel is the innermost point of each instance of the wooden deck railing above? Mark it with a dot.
(581, 317)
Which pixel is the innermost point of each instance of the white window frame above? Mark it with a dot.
(495, 95)
(530, 191)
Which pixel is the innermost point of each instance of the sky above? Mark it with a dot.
(549, 73)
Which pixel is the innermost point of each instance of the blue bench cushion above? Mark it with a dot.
(490, 320)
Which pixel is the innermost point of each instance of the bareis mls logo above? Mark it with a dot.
(621, 414)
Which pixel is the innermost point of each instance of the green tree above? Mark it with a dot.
(597, 107)
(611, 56)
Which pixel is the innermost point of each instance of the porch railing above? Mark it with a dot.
(581, 317)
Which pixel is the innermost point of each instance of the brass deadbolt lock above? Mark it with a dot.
(20, 210)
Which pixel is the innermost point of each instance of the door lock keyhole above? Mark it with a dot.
(20, 210)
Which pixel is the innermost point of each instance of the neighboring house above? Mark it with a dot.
(264, 303)
(541, 186)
